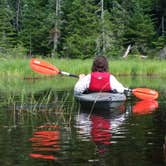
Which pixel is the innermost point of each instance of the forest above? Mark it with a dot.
(82, 28)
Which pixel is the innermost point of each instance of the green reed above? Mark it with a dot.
(19, 68)
(138, 67)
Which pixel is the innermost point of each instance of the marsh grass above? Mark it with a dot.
(19, 68)
(138, 67)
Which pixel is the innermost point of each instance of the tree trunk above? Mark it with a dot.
(17, 15)
(162, 25)
(127, 51)
(56, 33)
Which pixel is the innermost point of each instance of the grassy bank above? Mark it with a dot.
(20, 67)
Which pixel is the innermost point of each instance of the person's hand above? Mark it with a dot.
(81, 76)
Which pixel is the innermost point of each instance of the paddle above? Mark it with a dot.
(44, 67)
(145, 93)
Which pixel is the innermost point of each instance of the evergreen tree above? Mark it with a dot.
(55, 20)
(7, 32)
(35, 27)
(118, 20)
(140, 29)
(16, 8)
(80, 29)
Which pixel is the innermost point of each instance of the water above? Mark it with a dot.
(60, 131)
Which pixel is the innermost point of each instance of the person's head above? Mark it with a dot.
(100, 64)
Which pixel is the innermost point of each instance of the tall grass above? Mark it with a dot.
(129, 67)
(20, 67)
(138, 67)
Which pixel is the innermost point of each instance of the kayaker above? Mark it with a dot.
(99, 80)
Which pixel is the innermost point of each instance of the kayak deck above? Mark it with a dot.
(101, 100)
(101, 97)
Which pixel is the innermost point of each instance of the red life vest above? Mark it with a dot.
(100, 81)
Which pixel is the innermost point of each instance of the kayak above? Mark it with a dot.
(101, 100)
(101, 97)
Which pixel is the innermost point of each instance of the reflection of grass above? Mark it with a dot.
(36, 102)
(17, 85)
(47, 106)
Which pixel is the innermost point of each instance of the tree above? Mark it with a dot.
(80, 29)
(160, 16)
(55, 21)
(7, 31)
(16, 8)
(140, 29)
(35, 28)
(118, 21)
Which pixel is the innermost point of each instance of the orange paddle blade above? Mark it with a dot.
(43, 67)
(145, 93)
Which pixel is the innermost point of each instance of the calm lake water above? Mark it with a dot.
(49, 127)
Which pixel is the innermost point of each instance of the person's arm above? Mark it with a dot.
(82, 84)
(116, 85)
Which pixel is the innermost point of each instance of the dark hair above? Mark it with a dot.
(100, 64)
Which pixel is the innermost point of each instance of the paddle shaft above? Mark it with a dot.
(68, 74)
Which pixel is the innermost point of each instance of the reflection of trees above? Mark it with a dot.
(106, 126)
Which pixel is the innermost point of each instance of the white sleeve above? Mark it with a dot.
(82, 84)
(115, 84)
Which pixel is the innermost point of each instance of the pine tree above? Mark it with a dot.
(118, 18)
(55, 20)
(140, 29)
(7, 31)
(80, 29)
(35, 27)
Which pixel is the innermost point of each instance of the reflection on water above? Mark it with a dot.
(105, 128)
(129, 133)
(44, 141)
(145, 107)
(164, 148)
(100, 125)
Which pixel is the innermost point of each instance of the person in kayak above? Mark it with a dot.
(99, 80)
